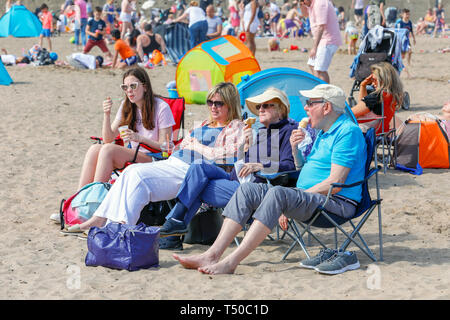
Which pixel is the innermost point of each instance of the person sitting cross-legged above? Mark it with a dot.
(270, 152)
(336, 157)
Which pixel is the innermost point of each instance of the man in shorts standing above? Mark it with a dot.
(96, 29)
(326, 34)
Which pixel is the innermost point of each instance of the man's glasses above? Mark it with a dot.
(132, 86)
(217, 103)
(310, 103)
(265, 106)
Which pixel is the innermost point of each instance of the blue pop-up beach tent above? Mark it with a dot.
(290, 81)
(5, 79)
(20, 22)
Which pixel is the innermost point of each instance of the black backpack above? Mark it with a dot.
(43, 58)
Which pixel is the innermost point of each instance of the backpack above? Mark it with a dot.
(373, 16)
(82, 205)
(43, 58)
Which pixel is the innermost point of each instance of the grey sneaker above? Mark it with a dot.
(322, 256)
(339, 263)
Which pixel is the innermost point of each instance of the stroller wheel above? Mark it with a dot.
(406, 101)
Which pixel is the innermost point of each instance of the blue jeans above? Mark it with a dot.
(205, 182)
(83, 32)
(197, 32)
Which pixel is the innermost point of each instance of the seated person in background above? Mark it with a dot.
(214, 23)
(131, 39)
(387, 84)
(96, 30)
(216, 139)
(149, 41)
(446, 117)
(127, 55)
(336, 157)
(206, 182)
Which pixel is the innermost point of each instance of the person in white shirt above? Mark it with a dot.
(198, 27)
(275, 14)
(214, 23)
(358, 6)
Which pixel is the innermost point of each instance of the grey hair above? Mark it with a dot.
(338, 110)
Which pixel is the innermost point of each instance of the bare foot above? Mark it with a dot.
(196, 261)
(219, 268)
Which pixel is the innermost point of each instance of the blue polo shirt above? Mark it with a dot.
(343, 144)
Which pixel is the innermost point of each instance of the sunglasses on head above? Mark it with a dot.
(132, 86)
(217, 103)
(265, 106)
(310, 103)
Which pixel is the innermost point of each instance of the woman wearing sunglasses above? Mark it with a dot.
(149, 120)
(215, 139)
(269, 152)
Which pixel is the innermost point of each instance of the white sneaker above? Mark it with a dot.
(55, 217)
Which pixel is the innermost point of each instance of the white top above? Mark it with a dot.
(274, 9)
(163, 118)
(8, 59)
(248, 15)
(359, 4)
(196, 14)
(87, 60)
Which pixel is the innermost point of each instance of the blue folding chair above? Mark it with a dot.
(325, 219)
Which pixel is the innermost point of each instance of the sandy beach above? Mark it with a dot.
(48, 115)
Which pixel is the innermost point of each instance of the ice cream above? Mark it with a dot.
(303, 123)
(249, 121)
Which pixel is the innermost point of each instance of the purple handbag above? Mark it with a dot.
(122, 246)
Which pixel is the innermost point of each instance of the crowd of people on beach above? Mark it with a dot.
(191, 174)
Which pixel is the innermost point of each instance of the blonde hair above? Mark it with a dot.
(388, 81)
(230, 96)
(193, 4)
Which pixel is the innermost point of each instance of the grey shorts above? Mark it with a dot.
(266, 204)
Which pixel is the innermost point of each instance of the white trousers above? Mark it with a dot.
(140, 184)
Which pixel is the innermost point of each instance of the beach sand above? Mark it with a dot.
(50, 112)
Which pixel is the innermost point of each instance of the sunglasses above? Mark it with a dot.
(217, 103)
(132, 86)
(264, 106)
(310, 103)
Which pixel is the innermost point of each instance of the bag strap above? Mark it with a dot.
(61, 213)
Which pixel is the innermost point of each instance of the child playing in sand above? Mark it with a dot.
(273, 44)
(127, 55)
(351, 33)
(47, 26)
(406, 46)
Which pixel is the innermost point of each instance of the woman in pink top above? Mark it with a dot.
(83, 22)
(149, 120)
(234, 16)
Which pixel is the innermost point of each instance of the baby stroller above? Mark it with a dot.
(380, 44)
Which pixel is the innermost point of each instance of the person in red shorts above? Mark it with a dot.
(96, 29)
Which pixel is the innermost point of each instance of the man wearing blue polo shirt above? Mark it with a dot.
(338, 156)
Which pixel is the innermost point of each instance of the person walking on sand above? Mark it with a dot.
(47, 26)
(326, 34)
(125, 17)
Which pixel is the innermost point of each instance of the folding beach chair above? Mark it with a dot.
(325, 219)
(385, 135)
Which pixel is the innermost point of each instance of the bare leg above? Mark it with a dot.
(255, 235)
(229, 230)
(89, 164)
(112, 156)
(251, 42)
(94, 221)
(49, 44)
(323, 75)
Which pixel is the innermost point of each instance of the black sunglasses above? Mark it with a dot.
(265, 106)
(310, 103)
(217, 103)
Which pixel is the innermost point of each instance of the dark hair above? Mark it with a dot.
(100, 60)
(405, 10)
(44, 6)
(129, 111)
(98, 9)
(133, 36)
(148, 27)
(115, 34)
